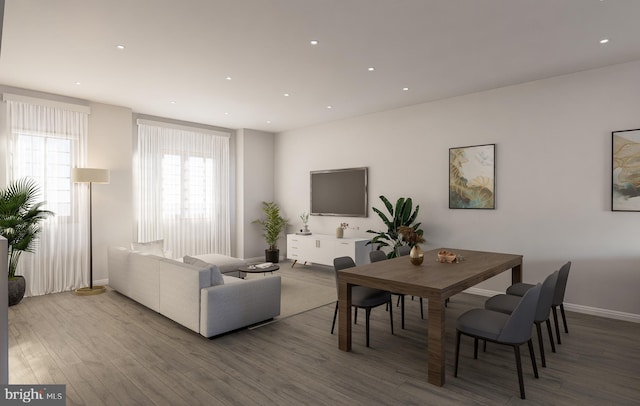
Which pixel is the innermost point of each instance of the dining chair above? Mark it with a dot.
(361, 297)
(518, 289)
(404, 250)
(507, 304)
(512, 330)
(376, 256)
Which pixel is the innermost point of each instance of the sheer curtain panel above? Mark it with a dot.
(45, 141)
(183, 188)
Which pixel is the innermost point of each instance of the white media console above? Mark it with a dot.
(322, 249)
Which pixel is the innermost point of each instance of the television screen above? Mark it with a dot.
(339, 192)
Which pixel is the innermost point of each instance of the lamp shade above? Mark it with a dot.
(89, 175)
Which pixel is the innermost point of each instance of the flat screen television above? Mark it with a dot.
(339, 192)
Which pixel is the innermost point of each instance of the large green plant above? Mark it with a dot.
(400, 215)
(20, 217)
(272, 225)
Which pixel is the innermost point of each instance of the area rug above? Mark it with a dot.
(299, 296)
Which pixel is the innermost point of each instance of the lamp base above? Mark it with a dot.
(96, 290)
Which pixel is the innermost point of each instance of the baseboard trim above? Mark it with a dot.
(593, 311)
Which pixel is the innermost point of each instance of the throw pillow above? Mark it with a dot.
(216, 276)
(150, 247)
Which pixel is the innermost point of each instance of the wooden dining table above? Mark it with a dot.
(432, 280)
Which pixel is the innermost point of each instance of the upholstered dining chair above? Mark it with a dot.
(507, 304)
(361, 296)
(376, 256)
(519, 289)
(404, 250)
(512, 330)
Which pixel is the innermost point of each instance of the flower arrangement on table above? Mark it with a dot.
(410, 235)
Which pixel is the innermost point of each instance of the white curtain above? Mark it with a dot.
(183, 188)
(45, 142)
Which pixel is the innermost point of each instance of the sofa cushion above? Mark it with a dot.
(150, 247)
(216, 276)
(225, 263)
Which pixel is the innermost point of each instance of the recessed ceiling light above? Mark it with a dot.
(226, 113)
(371, 69)
(77, 83)
(405, 89)
(172, 102)
(314, 42)
(268, 121)
(286, 95)
(228, 78)
(329, 107)
(120, 46)
(604, 41)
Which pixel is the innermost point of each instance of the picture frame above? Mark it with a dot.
(625, 170)
(472, 177)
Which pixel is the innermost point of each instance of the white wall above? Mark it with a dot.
(553, 163)
(255, 184)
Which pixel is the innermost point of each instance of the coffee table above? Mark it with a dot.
(254, 269)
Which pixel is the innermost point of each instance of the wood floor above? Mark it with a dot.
(109, 350)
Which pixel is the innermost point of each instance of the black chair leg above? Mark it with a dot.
(541, 345)
(564, 318)
(367, 315)
(355, 315)
(553, 344)
(402, 310)
(555, 321)
(533, 358)
(475, 347)
(391, 315)
(455, 370)
(516, 350)
(335, 313)
(421, 310)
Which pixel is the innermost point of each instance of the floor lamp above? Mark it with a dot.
(90, 176)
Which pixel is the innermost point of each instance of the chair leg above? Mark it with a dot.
(402, 310)
(533, 358)
(475, 347)
(553, 344)
(564, 318)
(355, 315)
(455, 370)
(421, 310)
(391, 315)
(555, 321)
(367, 315)
(399, 296)
(335, 313)
(541, 345)
(516, 350)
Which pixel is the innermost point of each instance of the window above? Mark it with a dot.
(183, 192)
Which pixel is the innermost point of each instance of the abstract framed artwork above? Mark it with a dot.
(472, 177)
(625, 179)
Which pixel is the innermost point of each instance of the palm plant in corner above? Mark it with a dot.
(272, 226)
(20, 218)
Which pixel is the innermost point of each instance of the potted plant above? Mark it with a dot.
(399, 216)
(20, 218)
(272, 226)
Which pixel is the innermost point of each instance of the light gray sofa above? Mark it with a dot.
(183, 292)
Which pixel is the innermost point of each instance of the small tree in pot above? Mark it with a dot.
(272, 226)
(20, 217)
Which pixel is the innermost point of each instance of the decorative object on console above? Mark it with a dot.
(90, 176)
(272, 226)
(472, 177)
(402, 215)
(625, 182)
(20, 216)
(414, 240)
(305, 220)
(340, 230)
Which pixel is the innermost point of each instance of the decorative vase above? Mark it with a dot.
(17, 287)
(339, 232)
(416, 255)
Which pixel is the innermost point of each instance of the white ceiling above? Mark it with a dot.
(183, 51)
